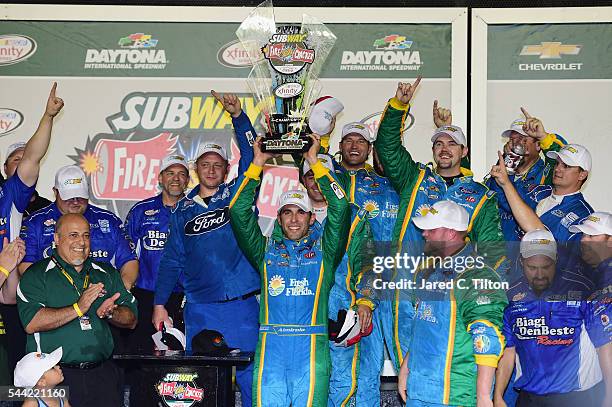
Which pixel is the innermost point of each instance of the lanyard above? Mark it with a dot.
(70, 280)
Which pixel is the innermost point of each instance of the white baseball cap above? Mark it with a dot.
(14, 147)
(71, 182)
(171, 160)
(573, 155)
(597, 223)
(538, 241)
(358, 128)
(33, 366)
(517, 125)
(325, 159)
(444, 214)
(454, 132)
(322, 114)
(295, 197)
(204, 148)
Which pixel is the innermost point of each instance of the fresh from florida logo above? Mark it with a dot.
(276, 285)
(179, 390)
(550, 50)
(135, 52)
(391, 53)
(15, 48)
(372, 208)
(10, 120)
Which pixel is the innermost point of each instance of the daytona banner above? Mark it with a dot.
(135, 92)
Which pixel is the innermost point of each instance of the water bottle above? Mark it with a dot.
(513, 158)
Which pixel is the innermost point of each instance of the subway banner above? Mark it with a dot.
(560, 72)
(135, 92)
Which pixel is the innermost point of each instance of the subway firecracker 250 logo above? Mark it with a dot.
(389, 53)
(123, 164)
(180, 390)
(134, 51)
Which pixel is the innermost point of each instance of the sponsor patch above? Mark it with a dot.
(207, 222)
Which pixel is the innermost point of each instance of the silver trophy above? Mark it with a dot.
(286, 64)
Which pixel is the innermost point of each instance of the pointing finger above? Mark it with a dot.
(416, 83)
(216, 96)
(526, 113)
(53, 88)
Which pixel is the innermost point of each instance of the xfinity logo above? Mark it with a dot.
(207, 222)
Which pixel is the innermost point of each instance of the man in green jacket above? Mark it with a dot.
(420, 186)
(68, 300)
(297, 265)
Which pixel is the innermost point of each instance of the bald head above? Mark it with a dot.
(72, 239)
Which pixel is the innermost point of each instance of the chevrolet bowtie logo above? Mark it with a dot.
(551, 50)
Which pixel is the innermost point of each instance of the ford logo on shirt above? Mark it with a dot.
(207, 222)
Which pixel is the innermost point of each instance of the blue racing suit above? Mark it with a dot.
(147, 225)
(108, 240)
(355, 374)
(554, 354)
(419, 187)
(571, 210)
(360, 381)
(292, 358)
(220, 284)
(455, 328)
(540, 173)
(14, 199)
(602, 301)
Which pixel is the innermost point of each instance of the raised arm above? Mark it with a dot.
(242, 217)
(399, 166)
(534, 127)
(37, 146)
(337, 225)
(525, 217)
(245, 133)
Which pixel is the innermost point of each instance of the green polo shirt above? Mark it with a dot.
(44, 285)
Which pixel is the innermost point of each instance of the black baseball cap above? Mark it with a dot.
(210, 343)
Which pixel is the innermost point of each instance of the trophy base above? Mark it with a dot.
(285, 144)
